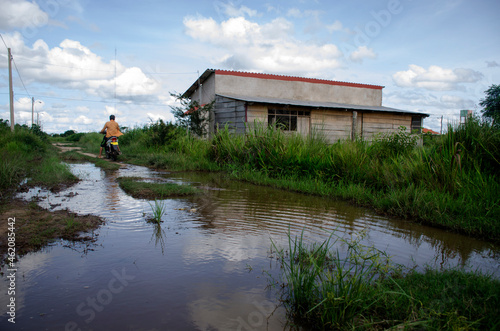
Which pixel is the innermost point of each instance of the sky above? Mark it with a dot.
(83, 60)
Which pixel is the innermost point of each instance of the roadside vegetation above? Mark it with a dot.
(360, 288)
(27, 159)
(143, 188)
(26, 155)
(36, 227)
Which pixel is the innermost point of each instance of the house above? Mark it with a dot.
(429, 131)
(336, 110)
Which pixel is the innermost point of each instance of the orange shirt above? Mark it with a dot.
(111, 128)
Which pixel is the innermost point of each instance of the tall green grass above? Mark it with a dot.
(27, 155)
(327, 289)
(358, 287)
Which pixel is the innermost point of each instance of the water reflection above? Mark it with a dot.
(205, 266)
(233, 207)
(159, 236)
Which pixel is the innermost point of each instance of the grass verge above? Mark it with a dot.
(36, 227)
(359, 288)
(137, 187)
(75, 156)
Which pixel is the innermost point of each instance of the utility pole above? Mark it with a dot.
(32, 111)
(11, 94)
(441, 125)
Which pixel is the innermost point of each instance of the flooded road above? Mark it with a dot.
(207, 267)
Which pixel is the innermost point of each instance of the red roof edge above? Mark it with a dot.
(424, 130)
(294, 79)
(193, 109)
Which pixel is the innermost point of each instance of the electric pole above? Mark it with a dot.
(11, 94)
(32, 111)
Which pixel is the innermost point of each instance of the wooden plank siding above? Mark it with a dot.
(256, 115)
(334, 125)
(380, 123)
(229, 112)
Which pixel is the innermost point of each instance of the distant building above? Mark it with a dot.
(465, 114)
(337, 110)
(429, 131)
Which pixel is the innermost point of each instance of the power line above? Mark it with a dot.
(4, 41)
(19, 74)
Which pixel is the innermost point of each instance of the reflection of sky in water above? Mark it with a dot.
(203, 269)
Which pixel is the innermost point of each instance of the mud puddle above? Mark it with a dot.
(207, 266)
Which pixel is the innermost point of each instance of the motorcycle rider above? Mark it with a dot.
(110, 129)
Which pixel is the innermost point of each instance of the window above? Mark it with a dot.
(416, 124)
(286, 120)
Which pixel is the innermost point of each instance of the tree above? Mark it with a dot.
(192, 116)
(491, 104)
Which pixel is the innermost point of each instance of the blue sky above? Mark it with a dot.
(436, 57)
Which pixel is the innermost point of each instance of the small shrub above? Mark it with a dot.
(394, 144)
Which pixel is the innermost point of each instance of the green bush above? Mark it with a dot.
(394, 144)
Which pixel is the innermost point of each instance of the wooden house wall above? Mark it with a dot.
(382, 123)
(334, 125)
(256, 115)
(229, 112)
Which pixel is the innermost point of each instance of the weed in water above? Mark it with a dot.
(159, 209)
(326, 288)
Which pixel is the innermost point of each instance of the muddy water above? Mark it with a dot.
(207, 266)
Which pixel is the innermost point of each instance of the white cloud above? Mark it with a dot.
(21, 14)
(436, 78)
(335, 26)
(231, 10)
(362, 53)
(294, 12)
(129, 84)
(166, 117)
(109, 110)
(74, 66)
(82, 119)
(268, 47)
(456, 102)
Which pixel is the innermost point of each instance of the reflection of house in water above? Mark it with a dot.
(337, 110)
(247, 210)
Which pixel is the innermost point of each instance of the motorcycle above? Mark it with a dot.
(111, 148)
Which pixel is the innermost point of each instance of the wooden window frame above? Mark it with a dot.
(285, 119)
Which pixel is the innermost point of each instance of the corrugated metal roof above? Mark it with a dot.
(315, 104)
